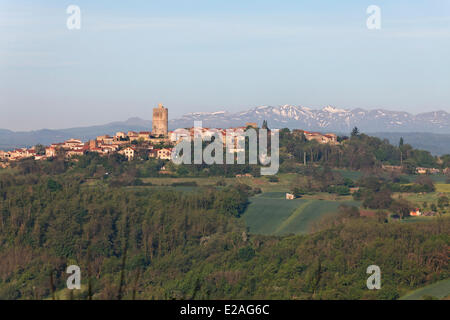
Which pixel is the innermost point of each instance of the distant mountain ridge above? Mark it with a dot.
(325, 119)
(437, 144)
(10, 139)
(429, 131)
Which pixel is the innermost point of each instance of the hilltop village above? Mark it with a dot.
(157, 143)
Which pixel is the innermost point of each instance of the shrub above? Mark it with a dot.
(246, 254)
(340, 190)
(184, 184)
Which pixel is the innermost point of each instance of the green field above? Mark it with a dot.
(418, 199)
(442, 187)
(416, 219)
(355, 175)
(350, 174)
(437, 178)
(8, 170)
(271, 213)
(440, 289)
(207, 181)
(283, 185)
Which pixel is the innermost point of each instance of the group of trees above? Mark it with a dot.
(166, 244)
(320, 179)
(374, 190)
(376, 193)
(359, 152)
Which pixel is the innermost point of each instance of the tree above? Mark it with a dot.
(377, 200)
(40, 149)
(182, 171)
(53, 185)
(400, 146)
(264, 125)
(381, 216)
(426, 182)
(348, 211)
(401, 207)
(443, 202)
(355, 132)
(298, 192)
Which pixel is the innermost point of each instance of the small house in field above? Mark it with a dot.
(421, 170)
(353, 190)
(392, 168)
(246, 175)
(290, 196)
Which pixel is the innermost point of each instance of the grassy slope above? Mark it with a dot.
(442, 187)
(437, 178)
(267, 211)
(271, 213)
(418, 199)
(355, 175)
(440, 289)
(350, 174)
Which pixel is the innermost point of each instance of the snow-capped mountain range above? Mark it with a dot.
(329, 119)
(429, 131)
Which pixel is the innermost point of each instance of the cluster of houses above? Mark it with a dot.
(17, 154)
(206, 134)
(121, 143)
(419, 170)
(417, 213)
(327, 138)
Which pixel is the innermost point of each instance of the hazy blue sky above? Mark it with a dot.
(210, 55)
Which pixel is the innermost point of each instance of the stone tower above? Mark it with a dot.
(160, 121)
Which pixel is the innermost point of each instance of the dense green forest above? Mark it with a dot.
(159, 244)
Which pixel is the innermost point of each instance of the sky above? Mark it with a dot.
(205, 55)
